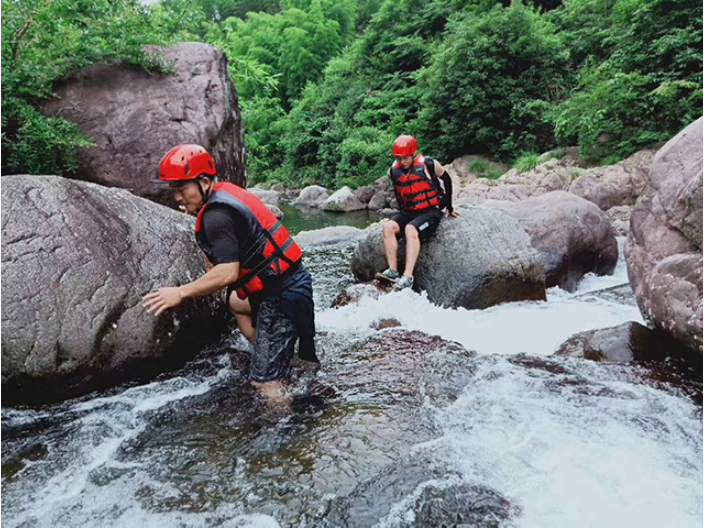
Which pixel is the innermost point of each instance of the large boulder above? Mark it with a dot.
(77, 258)
(664, 247)
(312, 196)
(364, 194)
(573, 235)
(268, 197)
(478, 260)
(378, 201)
(343, 201)
(615, 185)
(135, 116)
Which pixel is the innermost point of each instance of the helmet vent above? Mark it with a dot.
(187, 169)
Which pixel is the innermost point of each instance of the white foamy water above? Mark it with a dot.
(582, 445)
(535, 327)
(592, 451)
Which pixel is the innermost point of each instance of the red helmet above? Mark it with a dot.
(186, 162)
(405, 146)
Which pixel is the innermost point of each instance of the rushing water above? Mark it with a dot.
(517, 437)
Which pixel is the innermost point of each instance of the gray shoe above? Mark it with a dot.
(403, 283)
(389, 276)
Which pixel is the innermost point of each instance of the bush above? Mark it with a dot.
(478, 167)
(491, 82)
(527, 161)
(45, 41)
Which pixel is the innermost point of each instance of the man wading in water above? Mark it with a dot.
(254, 257)
(421, 200)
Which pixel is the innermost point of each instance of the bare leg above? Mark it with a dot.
(243, 315)
(274, 393)
(391, 229)
(412, 249)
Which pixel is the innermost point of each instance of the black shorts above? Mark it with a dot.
(426, 222)
(281, 319)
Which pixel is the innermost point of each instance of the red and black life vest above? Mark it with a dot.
(414, 189)
(268, 251)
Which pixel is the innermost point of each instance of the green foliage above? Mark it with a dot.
(493, 174)
(363, 157)
(292, 47)
(43, 41)
(648, 84)
(491, 82)
(479, 167)
(526, 161)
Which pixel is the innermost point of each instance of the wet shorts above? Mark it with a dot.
(276, 340)
(281, 319)
(426, 222)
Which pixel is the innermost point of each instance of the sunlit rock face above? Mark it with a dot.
(664, 247)
(135, 116)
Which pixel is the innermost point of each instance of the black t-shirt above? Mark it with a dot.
(225, 231)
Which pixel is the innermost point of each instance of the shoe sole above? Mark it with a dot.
(384, 279)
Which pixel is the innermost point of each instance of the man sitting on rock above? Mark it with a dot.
(421, 199)
(252, 255)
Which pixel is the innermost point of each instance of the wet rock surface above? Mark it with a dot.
(666, 360)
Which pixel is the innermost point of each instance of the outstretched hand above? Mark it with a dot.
(453, 214)
(159, 301)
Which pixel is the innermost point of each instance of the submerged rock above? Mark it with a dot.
(415, 492)
(479, 260)
(76, 260)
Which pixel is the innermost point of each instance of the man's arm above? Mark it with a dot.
(447, 184)
(215, 279)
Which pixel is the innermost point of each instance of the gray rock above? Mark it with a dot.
(382, 184)
(312, 196)
(620, 217)
(393, 202)
(342, 201)
(478, 260)
(278, 213)
(573, 235)
(364, 194)
(135, 116)
(266, 196)
(613, 185)
(328, 235)
(620, 344)
(387, 212)
(664, 247)
(76, 260)
(378, 201)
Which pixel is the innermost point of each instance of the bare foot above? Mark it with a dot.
(275, 394)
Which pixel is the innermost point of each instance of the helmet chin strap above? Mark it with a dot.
(204, 196)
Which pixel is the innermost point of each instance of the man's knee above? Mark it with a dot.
(411, 232)
(239, 306)
(391, 228)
